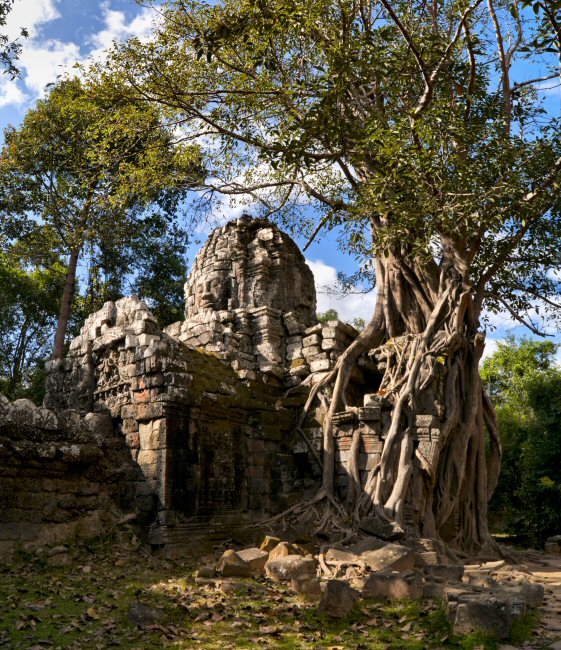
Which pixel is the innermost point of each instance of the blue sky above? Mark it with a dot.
(64, 32)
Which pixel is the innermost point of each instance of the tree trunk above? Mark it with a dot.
(66, 305)
(436, 470)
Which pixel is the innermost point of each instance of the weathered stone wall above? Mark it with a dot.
(62, 476)
(205, 443)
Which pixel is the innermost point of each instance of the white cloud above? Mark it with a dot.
(44, 61)
(118, 29)
(350, 306)
(29, 14)
(10, 93)
(491, 346)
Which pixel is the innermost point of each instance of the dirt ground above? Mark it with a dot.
(546, 569)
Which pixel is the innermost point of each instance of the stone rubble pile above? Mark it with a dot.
(487, 597)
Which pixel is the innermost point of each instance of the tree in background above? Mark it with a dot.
(29, 296)
(525, 384)
(330, 314)
(89, 165)
(420, 130)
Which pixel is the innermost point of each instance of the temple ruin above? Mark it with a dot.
(192, 427)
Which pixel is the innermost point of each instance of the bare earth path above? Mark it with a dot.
(548, 633)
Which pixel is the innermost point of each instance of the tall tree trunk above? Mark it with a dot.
(435, 473)
(66, 305)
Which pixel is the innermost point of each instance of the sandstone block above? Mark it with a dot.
(282, 550)
(392, 557)
(269, 543)
(291, 567)
(369, 413)
(338, 599)
(484, 613)
(255, 559)
(312, 340)
(447, 572)
(393, 586)
(343, 556)
(231, 565)
(426, 422)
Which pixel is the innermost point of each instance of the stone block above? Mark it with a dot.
(152, 434)
(256, 559)
(321, 365)
(231, 565)
(371, 399)
(338, 599)
(344, 417)
(426, 422)
(392, 586)
(269, 543)
(291, 567)
(314, 329)
(332, 344)
(310, 352)
(369, 413)
(392, 557)
(446, 572)
(485, 613)
(312, 340)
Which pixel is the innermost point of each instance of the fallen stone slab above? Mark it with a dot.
(291, 567)
(256, 559)
(491, 614)
(231, 565)
(338, 599)
(391, 586)
(392, 557)
(530, 593)
(342, 556)
(448, 572)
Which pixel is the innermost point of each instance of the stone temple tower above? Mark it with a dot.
(250, 292)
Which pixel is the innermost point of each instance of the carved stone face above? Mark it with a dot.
(212, 293)
(247, 265)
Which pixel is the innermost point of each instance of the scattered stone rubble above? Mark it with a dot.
(487, 597)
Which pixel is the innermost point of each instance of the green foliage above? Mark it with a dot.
(9, 49)
(526, 386)
(28, 305)
(95, 170)
(330, 314)
(358, 323)
(330, 105)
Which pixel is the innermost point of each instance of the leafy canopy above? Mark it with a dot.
(84, 161)
(414, 125)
